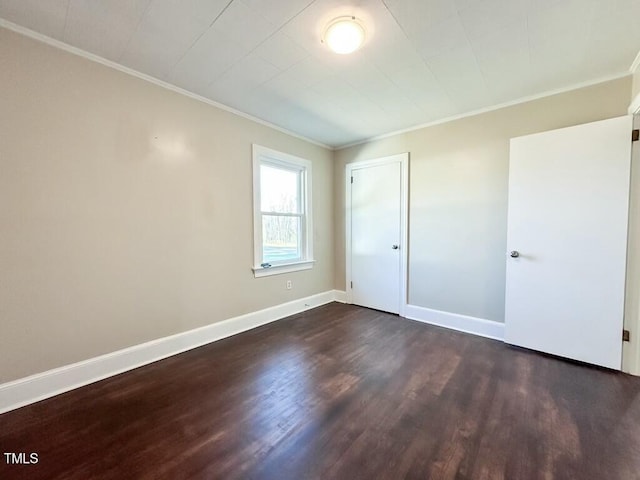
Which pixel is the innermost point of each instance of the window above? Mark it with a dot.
(282, 212)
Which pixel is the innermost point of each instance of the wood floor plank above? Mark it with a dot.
(339, 392)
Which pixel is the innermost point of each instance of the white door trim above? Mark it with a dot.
(634, 108)
(403, 159)
(631, 350)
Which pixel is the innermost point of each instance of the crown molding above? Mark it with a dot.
(148, 78)
(492, 108)
(174, 88)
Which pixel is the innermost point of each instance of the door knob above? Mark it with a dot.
(514, 254)
(395, 247)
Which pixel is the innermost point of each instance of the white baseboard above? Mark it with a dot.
(454, 321)
(340, 296)
(43, 385)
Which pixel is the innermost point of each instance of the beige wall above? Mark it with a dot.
(635, 88)
(125, 211)
(458, 195)
(125, 208)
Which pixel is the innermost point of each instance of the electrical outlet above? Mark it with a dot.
(289, 285)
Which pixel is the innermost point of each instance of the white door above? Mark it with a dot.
(567, 240)
(375, 223)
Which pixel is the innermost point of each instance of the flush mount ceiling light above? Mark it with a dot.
(344, 35)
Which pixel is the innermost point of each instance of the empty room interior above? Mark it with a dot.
(320, 239)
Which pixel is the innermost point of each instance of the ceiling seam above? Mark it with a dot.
(135, 30)
(60, 45)
(422, 59)
(66, 19)
(414, 74)
(278, 29)
(172, 68)
(475, 56)
(528, 28)
(221, 13)
(383, 74)
(492, 108)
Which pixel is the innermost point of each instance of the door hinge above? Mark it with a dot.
(351, 284)
(351, 178)
(635, 135)
(626, 336)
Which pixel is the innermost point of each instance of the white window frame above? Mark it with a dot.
(263, 155)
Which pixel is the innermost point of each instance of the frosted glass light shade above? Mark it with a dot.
(344, 35)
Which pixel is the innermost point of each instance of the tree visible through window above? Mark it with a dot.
(282, 213)
(281, 204)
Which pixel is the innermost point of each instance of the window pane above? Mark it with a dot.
(280, 238)
(279, 190)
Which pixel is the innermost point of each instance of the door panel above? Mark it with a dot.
(568, 218)
(375, 229)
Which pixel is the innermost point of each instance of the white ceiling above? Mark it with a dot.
(424, 60)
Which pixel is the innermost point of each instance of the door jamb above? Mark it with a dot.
(631, 352)
(403, 159)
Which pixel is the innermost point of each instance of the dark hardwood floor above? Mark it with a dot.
(339, 392)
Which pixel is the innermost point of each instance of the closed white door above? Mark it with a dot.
(376, 249)
(567, 240)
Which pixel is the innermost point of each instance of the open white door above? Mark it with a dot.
(567, 238)
(376, 233)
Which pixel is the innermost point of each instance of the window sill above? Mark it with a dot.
(284, 268)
